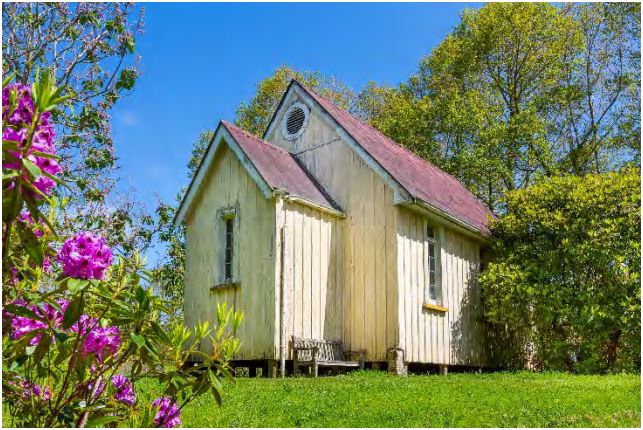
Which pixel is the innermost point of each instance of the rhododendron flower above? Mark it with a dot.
(102, 341)
(85, 256)
(18, 121)
(169, 414)
(124, 389)
(20, 325)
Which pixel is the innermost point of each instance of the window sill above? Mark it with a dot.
(227, 284)
(436, 308)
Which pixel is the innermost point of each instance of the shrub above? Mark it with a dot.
(565, 281)
(80, 327)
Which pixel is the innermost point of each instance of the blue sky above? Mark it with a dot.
(200, 61)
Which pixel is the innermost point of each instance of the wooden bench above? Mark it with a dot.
(316, 353)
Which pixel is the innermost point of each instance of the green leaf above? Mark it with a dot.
(31, 243)
(100, 421)
(138, 339)
(23, 312)
(32, 168)
(42, 349)
(77, 285)
(73, 312)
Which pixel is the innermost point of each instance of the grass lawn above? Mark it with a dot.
(374, 399)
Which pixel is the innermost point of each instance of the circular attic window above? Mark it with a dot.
(295, 121)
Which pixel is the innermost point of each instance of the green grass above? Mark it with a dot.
(374, 399)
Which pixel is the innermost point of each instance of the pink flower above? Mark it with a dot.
(169, 414)
(19, 121)
(20, 325)
(102, 341)
(85, 256)
(124, 390)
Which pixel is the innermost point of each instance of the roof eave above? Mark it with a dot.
(416, 203)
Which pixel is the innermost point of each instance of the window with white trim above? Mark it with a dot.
(433, 292)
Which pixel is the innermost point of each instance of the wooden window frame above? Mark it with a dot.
(228, 272)
(433, 301)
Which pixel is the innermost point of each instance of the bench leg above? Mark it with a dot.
(315, 370)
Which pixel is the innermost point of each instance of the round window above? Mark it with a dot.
(295, 121)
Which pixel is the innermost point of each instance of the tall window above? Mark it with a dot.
(229, 248)
(433, 250)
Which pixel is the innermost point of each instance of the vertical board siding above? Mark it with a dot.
(312, 286)
(366, 268)
(455, 337)
(228, 185)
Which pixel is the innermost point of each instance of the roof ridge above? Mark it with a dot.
(369, 126)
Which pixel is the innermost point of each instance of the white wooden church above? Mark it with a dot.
(326, 229)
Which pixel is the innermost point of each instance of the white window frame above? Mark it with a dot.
(435, 241)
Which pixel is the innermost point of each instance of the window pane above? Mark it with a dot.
(228, 249)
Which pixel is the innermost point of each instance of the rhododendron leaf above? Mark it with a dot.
(31, 244)
(138, 339)
(10, 145)
(32, 168)
(8, 79)
(42, 348)
(44, 154)
(77, 285)
(30, 349)
(23, 312)
(73, 312)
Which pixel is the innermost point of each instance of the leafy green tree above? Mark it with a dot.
(565, 281)
(520, 90)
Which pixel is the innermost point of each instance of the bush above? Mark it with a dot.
(78, 329)
(563, 289)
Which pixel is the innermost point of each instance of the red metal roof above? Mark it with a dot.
(279, 168)
(420, 178)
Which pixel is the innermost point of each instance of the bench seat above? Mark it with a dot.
(316, 353)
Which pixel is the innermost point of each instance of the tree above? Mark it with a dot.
(253, 116)
(90, 49)
(566, 276)
(522, 90)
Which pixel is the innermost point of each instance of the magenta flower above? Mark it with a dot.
(20, 325)
(19, 121)
(169, 414)
(124, 390)
(102, 341)
(85, 256)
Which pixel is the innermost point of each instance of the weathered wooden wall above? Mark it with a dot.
(228, 184)
(313, 273)
(427, 336)
(369, 310)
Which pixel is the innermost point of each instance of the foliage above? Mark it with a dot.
(566, 278)
(76, 337)
(253, 116)
(374, 399)
(90, 49)
(524, 89)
